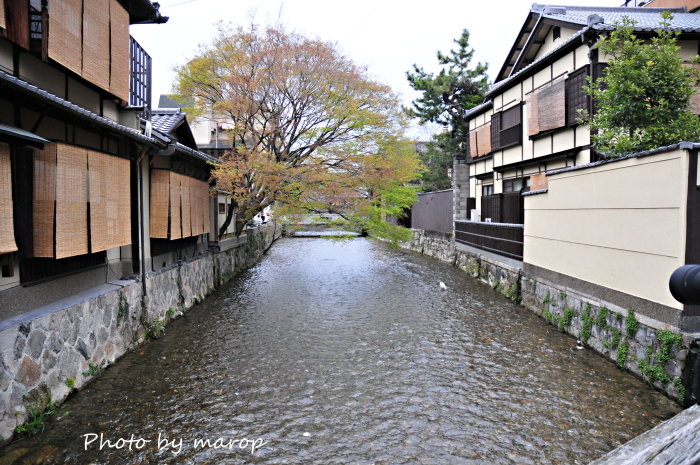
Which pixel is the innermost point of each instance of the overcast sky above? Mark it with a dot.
(388, 36)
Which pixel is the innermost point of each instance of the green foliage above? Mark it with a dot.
(606, 344)
(587, 325)
(93, 370)
(602, 317)
(546, 299)
(667, 339)
(562, 295)
(170, 312)
(631, 323)
(618, 316)
(35, 421)
(678, 383)
(622, 355)
(643, 101)
(616, 337)
(122, 309)
(70, 382)
(156, 329)
(437, 157)
(547, 314)
(565, 321)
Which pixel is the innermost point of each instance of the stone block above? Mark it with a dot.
(35, 344)
(29, 372)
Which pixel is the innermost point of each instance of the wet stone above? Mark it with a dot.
(350, 353)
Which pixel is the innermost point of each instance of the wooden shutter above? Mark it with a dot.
(510, 130)
(101, 227)
(44, 200)
(576, 98)
(186, 195)
(71, 201)
(205, 208)
(7, 223)
(160, 182)
(532, 110)
(496, 131)
(473, 148)
(120, 53)
(175, 217)
(96, 42)
(66, 33)
(552, 106)
(17, 12)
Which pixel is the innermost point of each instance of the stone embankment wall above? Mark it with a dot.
(651, 350)
(47, 353)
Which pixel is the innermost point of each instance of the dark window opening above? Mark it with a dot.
(37, 270)
(556, 32)
(506, 128)
(576, 99)
(161, 246)
(222, 208)
(515, 185)
(487, 190)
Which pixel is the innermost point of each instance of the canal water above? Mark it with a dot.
(349, 352)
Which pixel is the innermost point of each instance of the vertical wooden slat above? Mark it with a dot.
(3, 23)
(175, 206)
(186, 195)
(119, 48)
(44, 199)
(71, 201)
(195, 194)
(96, 43)
(160, 182)
(66, 34)
(206, 227)
(7, 223)
(17, 21)
(123, 195)
(532, 110)
(100, 224)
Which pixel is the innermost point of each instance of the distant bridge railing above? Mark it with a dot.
(500, 238)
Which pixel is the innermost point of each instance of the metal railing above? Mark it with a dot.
(140, 77)
(500, 238)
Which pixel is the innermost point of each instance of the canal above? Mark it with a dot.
(332, 352)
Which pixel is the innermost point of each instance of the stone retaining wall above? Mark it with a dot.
(50, 351)
(652, 351)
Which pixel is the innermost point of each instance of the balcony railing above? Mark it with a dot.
(140, 79)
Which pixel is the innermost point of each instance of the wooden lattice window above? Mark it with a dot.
(576, 98)
(506, 128)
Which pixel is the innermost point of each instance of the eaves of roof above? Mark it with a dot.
(568, 42)
(477, 110)
(47, 97)
(184, 150)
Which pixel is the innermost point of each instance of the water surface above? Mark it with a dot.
(350, 353)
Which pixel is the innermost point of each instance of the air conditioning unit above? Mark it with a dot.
(475, 215)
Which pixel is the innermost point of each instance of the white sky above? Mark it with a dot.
(388, 36)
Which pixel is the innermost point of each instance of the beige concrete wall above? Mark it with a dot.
(620, 225)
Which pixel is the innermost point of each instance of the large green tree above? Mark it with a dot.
(446, 96)
(643, 100)
(312, 131)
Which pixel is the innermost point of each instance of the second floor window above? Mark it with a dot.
(487, 190)
(506, 128)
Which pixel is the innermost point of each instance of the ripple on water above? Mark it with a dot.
(350, 353)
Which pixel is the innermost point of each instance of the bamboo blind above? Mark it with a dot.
(483, 142)
(160, 180)
(96, 42)
(7, 223)
(71, 201)
(533, 115)
(205, 208)
(175, 218)
(552, 106)
(196, 195)
(186, 206)
(119, 72)
(66, 39)
(110, 201)
(100, 224)
(473, 149)
(121, 194)
(2, 14)
(43, 200)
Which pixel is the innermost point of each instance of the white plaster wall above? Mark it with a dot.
(550, 44)
(46, 77)
(620, 225)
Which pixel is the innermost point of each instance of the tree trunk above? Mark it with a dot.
(227, 222)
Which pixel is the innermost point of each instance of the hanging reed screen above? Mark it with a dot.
(484, 139)
(7, 223)
(96, 43)
(205, 207)
(175, 217)
(71, 201)
(160, 182)
(44, 201)
(186, 206)
(119, 47)
(66, 39)
(98, 170)
(2, 15)
(552, 105)
(120, 193)
(532, 111)
(110, 201)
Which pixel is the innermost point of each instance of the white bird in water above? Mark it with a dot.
(442, 286)
(579, 345)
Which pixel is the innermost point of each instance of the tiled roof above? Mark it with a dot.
(166, 120)
(183, 149)
(478, 109)
(645, 18)
(34, 91)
